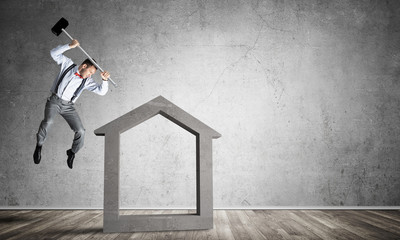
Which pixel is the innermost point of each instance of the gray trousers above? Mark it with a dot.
(67, 110)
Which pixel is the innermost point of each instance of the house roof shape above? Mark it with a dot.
(162, 106)
(113, 221)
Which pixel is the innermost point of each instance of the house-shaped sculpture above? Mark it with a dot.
(203, 219)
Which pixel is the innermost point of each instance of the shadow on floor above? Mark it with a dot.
(77, 231)
(12, 219)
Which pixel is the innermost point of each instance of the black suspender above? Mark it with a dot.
(62, 76)
(78, 90)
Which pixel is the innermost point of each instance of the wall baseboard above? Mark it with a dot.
(217, 208)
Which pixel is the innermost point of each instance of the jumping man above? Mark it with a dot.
(67, 87)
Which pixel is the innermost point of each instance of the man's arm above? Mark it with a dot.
(57, 53)
(102, 88)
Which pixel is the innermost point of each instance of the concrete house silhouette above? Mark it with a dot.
(203, 218)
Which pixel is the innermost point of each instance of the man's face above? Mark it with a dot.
(86, 71)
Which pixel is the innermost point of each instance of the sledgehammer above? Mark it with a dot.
(60, 27)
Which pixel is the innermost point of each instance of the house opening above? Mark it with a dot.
(157, 169)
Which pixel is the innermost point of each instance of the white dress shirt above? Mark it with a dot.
(71, 82)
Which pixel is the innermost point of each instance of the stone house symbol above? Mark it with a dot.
(203, 218)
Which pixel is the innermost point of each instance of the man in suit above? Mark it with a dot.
(67, 87)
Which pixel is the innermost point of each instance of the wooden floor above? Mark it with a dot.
(228, 224)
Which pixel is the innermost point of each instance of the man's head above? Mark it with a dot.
(87, 69)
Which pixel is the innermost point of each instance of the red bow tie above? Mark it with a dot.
(77, 74)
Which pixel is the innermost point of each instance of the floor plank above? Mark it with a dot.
(223, 229)
(248, 226)
(238, 229)
(44, 222)
(12, 220)
(266, 225)
(228, 224)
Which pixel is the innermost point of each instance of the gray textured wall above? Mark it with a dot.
(305, 94)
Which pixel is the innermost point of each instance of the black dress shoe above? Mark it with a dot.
(37, 156)
(71, 156)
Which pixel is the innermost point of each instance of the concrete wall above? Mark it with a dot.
(305, 94)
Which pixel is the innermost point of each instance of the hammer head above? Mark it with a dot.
(62, 23)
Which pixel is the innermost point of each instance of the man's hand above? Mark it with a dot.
(74, 43)
(105, 75)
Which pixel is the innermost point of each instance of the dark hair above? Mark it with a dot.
(89, 63)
